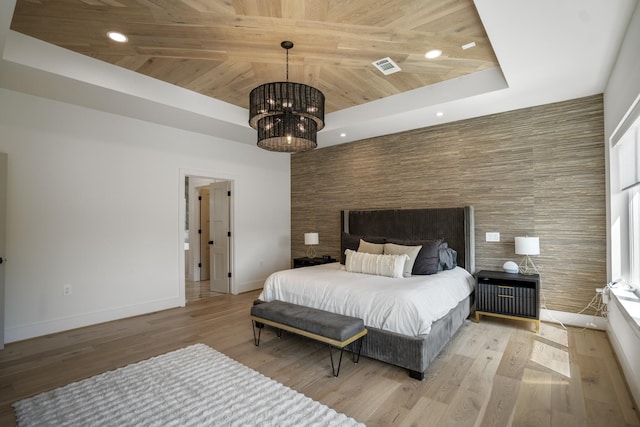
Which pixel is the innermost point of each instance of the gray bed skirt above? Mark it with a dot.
(416, 353)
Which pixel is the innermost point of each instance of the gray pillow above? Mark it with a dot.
(447, 257)
(427, 259)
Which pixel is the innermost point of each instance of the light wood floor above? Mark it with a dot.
(195, 291)
(493, 373)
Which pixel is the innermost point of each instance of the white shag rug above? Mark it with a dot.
(193, 386)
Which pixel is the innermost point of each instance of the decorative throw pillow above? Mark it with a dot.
(427, 259)
(352, 241)
(447, 257)
(410, 251)
(370, 248)
(380, 265)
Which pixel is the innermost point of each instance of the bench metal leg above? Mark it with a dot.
(333, 369)
(260, 326)
(355, 357)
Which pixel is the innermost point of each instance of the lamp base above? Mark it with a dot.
(527, 266)
(311, 252)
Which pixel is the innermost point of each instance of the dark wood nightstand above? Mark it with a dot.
(508, 295)
(306, 261)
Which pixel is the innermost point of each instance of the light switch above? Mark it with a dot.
(493, 237)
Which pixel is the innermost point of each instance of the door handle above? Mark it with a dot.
(2, 260)
(211, 242)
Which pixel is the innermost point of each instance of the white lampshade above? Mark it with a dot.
(527, 245)
(311, 238)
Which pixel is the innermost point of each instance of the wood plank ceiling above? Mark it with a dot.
(225, 48)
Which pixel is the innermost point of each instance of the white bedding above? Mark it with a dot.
(404, 305)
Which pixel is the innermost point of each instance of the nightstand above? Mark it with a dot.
(306, 261)
(508, 295)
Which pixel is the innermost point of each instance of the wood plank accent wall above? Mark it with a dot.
(538, 171)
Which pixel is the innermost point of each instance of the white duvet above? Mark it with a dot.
(407, 305)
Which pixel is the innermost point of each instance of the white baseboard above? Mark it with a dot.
(32, 330)
(573, 319)
(249, 286)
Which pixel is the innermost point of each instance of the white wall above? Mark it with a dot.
(95, 201)
(622, 89)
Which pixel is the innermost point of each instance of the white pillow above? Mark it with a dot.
(370, 248)
(410, 251)
(380, 265)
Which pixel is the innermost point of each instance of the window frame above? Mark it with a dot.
(634, 236)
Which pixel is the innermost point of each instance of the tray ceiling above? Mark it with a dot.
(223, 49)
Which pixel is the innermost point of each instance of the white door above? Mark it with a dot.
(220, 236)
(205, 220)
(3, 236)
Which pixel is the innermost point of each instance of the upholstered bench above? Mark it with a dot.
(330, 328)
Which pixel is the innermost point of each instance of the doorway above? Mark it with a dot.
(208, 237)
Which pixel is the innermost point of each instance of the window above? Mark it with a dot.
(630, 180)
(634, 235)
(625, 142)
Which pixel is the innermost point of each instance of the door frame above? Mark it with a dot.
(208, 175)
(4, 184)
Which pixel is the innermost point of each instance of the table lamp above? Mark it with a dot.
(311, 239)
(527, 246)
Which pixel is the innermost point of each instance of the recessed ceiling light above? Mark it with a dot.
(469, 45)
(343, 134)
(439, 114)
(117, 37)
(433, 54)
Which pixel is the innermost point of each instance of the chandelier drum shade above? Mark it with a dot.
(286, 115)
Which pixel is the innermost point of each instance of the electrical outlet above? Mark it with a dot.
(67, 290)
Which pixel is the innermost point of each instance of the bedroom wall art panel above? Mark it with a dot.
(536, 171)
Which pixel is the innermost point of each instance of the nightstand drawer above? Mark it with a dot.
(511, 300)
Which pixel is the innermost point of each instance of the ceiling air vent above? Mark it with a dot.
(386, 66)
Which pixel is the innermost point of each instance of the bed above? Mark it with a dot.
(409, 336)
